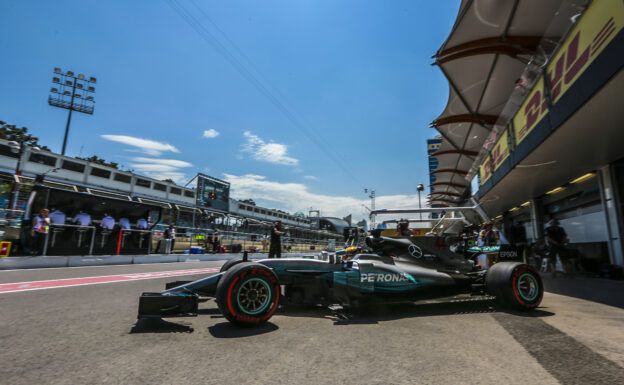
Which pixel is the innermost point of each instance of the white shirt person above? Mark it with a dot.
(107, 222)
(83, 219)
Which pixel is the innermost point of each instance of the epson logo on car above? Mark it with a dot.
(508, 254)
(381, 277)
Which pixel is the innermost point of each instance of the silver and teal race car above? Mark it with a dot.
(392, 270)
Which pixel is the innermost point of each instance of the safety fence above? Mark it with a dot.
(93, 239)
(206, 241)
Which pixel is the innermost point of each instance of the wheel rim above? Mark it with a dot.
(528, 287)
(254, 296)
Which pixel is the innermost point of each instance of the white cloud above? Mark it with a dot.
(147, 146)
(212, 133)
(311, 177)
(161, 168)
(294, 197)
(169, 162)
(267, 152)
(153, 168)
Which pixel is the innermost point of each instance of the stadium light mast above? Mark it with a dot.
(73, 93)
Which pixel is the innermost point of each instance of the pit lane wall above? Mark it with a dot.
(12, 263)
(594, 45)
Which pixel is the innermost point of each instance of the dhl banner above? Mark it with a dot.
(485, 170)
(600, 23)
(499, 153)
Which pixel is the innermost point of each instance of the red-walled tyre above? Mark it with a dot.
(515, 285)
(248, 294)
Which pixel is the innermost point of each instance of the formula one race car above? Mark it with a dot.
(395, 270)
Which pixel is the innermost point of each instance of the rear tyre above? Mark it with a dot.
(515, 285)
(248, 294)
(228, 265)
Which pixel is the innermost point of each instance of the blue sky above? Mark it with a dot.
(354, 76)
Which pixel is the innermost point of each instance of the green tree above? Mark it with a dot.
(20, 135)
(98, 160)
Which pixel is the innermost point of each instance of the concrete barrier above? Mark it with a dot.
(159, 258)
(100, 260)
(205, 257)
(10, 263)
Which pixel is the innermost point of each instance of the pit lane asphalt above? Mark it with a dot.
(89, 334)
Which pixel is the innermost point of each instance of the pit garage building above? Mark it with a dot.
(534, 120)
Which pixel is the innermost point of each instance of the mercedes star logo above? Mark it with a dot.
(415, 251)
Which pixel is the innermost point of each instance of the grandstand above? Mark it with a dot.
(71, 185)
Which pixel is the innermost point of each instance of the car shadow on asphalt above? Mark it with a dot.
(389, 312)
(157, 325)
(227, 330)
(212, 311)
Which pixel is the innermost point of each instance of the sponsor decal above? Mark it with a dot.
(246, 318)
(600, 23)
(499, 153)
(508, 255)
(415, 251)
(383, 277)
(598, 26)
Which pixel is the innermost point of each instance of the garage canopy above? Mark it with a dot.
(485, 59)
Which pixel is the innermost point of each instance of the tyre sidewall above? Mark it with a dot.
(517, 299)
(502, 282)
(229, 264)
(228, 288)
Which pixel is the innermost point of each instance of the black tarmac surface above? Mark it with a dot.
(90, 335)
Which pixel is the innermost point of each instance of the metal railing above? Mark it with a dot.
(148, 240)
(253, 242)
(80, 230)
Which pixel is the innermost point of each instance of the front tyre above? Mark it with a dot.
(232, 262)
(515, 285)
(248, 294)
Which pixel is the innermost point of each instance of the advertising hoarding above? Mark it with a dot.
(599, 25)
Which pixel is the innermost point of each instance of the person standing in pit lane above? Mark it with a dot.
(265, 242)
(41, 226)
(275, 248)
(170, 234)
(557, 238)
(216, 243)
(488, 236)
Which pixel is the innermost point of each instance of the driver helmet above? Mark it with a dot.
(351, 252)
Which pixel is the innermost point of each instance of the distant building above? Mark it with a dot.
(433, 145)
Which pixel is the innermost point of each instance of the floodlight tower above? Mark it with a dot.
(79, 99)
